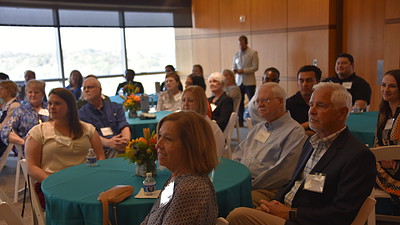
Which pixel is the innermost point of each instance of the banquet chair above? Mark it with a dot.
(237, 124)
(228, 133)
(17, 173)
(391, 152)
(221, 221)
(8, 213)
(249, 123)
(365, 211)
(37, 211)
(4, 157)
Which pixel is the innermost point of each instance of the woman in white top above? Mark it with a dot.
(194, 99)
(169, 100)
(63, 141)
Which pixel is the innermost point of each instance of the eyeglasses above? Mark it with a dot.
(263, 101)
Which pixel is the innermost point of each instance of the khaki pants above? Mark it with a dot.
(243, 215)
(257, 195)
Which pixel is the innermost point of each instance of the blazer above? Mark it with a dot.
(224, 109)
(350, 170)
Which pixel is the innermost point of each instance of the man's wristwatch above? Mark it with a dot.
(292, 214)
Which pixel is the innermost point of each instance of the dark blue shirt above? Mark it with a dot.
(110, 115)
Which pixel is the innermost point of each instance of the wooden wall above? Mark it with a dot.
(291, 33)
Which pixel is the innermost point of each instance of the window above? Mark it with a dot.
(32, 48)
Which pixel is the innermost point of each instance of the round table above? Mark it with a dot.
(71, 194)
(363, 126)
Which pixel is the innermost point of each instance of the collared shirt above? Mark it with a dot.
(320, 146)
(110, 115)
(272, 163)
(248, 61)
(22, 120)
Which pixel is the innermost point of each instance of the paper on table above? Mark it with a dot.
(142, 195)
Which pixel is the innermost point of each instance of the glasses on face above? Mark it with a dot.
(263, 100)
(88, 87)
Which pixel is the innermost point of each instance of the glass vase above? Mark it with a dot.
(132, 113)
(146, 167)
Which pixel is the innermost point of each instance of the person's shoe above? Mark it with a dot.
(240, 124)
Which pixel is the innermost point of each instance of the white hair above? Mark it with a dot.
(95, 80)
(340, 97)
(219, 77)
(276, 90)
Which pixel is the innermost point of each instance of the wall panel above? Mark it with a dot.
(268, 15)
(392, 47)
(308, 13)
(230, 11)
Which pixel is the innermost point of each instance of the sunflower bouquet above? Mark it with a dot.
(142, 151)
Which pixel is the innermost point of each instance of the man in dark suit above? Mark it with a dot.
(333, 177)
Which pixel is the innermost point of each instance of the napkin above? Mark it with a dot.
(142, 195)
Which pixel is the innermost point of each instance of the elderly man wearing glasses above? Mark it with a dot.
(272, 147)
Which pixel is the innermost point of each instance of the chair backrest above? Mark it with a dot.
(249, 123)
(4, 157)
(230, 127)
(7, 211)
(391, 152)
(37, 210)
(364, 211)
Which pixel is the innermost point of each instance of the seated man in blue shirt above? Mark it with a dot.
(272, 147)
(108, 118)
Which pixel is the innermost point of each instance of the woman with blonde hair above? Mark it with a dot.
(194, 99)
(186, 147)
(29, 114)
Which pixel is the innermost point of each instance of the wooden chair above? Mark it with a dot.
(364, 212)
(37, 211)
(4, 157)
(228, 133)
(8, 212)
(391, 152)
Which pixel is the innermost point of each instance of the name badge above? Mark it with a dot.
(213, 106)
(106, 131)
(166, 194)
(315, 182)
(43, 112)
(347, 85)
(262, 136)
(237, 60)
(389, 124)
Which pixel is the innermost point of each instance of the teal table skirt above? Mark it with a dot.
(363, 126)
(71, 194)
(137, 124)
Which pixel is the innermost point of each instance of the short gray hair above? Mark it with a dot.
(277, 91)
(219, 77)
(95, 80)
(340, 97)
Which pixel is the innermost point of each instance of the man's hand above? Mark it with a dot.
(116, 142)
(275, 208)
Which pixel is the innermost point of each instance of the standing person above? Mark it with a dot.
(245, 64)
(194, 99)
(387, 133)
(186, 147)
(221, 103)
(231, 89)
(8, 92)
(60, 143)
(26, 116)
(107, 117)
(271, 74)
(129, 76)
(297, 105)
(197, 70)
(75, 83)
(333, 177)
(169, 100)
(357, 86)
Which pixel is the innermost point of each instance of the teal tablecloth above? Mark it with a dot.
(71, 194)
(363, 126)
(119, 100)
(137, 124)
